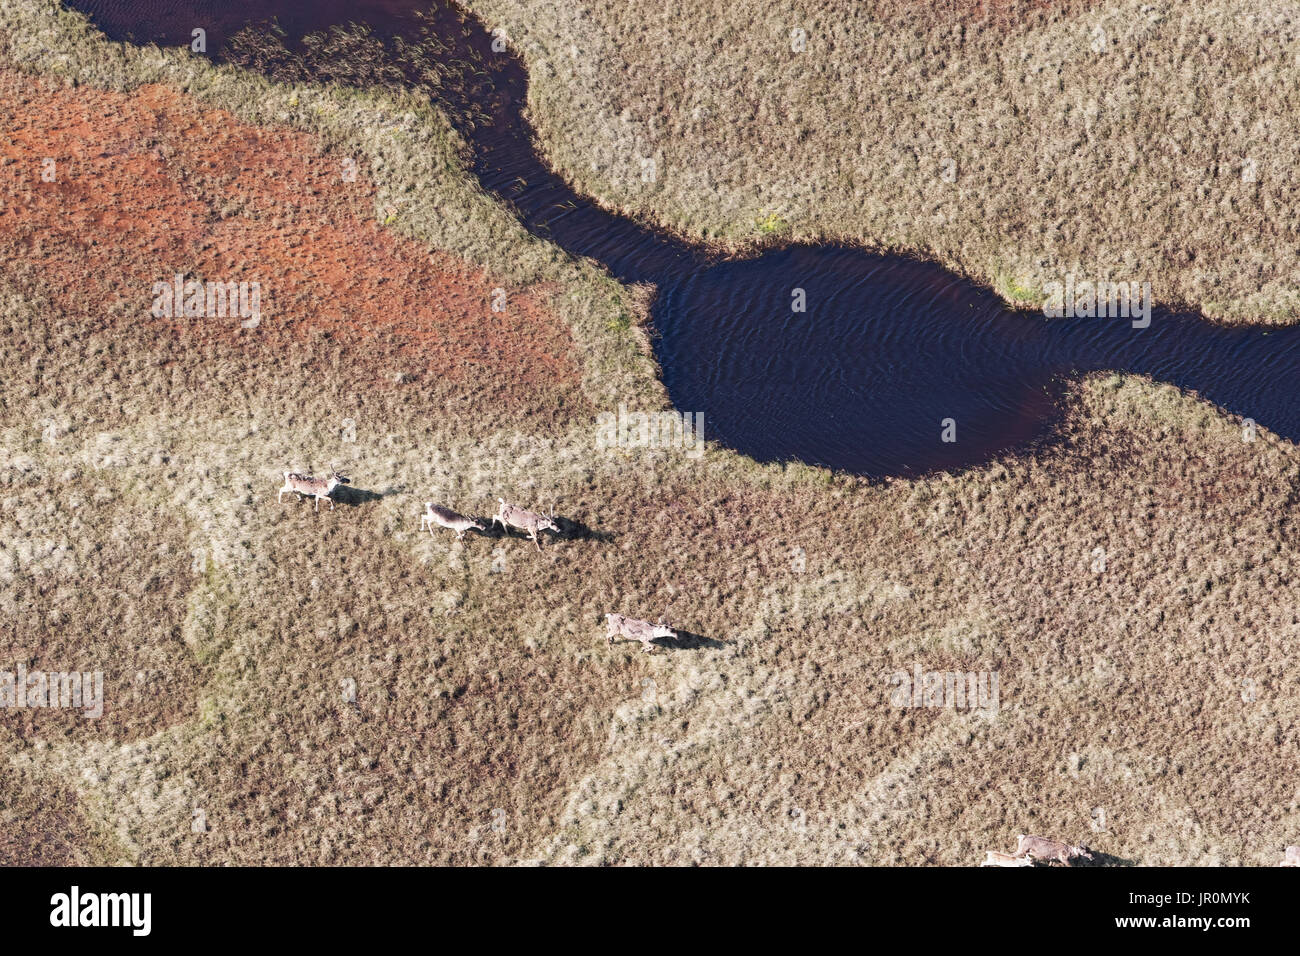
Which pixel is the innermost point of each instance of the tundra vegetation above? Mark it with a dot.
(1014, 141)
(287, 686)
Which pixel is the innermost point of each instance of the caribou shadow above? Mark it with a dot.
(686, 641)
(571, 530)
(1103, 859)
(350, 495)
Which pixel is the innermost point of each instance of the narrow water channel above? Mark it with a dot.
(889, 355)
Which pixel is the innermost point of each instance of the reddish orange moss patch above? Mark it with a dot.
(147, 185)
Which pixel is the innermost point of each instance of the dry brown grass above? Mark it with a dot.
(42, 825)
(492, 723)
(988, 137)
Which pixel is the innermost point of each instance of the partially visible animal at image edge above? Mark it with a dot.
(1031, 850)
(1040, 848)
(318, 488)
(1291, 857)
(994, 858)
(446, 518)
(631, 629)
(512, 516)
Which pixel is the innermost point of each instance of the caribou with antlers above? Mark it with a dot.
(446, 518)
(512, 516)
(317, 488)
(630, 629)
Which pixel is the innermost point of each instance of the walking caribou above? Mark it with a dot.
(446, 518)
(512, 516)
(631, 629)
(317, 488)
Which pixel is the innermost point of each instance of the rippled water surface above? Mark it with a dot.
(888, 348)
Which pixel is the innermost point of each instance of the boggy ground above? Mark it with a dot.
(337, 687)
(1012, 141)
(147, 186)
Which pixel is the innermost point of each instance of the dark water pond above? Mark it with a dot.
(889, 357)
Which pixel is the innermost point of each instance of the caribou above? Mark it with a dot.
(994, 858)
(1034, 848)
(512, 516)
(446, 518)
(318, 488)
(630, 629)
